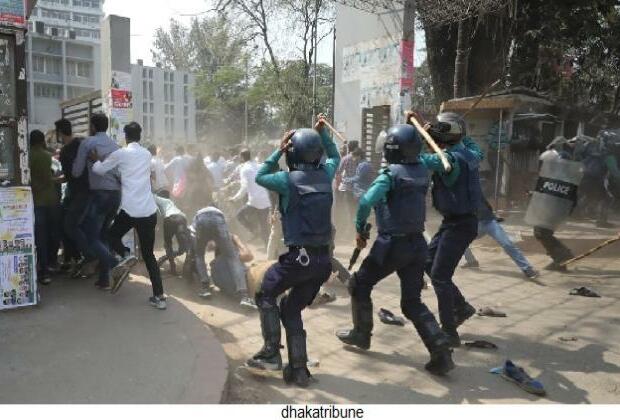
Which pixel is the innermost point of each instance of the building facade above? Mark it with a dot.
(164, 104)
(62, 56)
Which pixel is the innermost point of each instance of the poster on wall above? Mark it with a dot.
(119, 105)
(18, 274)
(13, 13)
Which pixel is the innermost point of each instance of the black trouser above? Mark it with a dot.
(176, 226)
(404, 255)
(74, 211)
(255, 220)
(145, 228)
(554, 248)
(304, 283)
(445, 251)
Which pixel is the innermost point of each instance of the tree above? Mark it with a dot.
(306, 23)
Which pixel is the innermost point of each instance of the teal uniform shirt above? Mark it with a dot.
(271, 178)
(383, 183)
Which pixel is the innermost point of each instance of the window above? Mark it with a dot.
(144, 74)
(166, 109)
(144, 86)
(185, 111)
(145, 125)
(152, 125)
(185, 94)
(171, 93)
(79, 69)
(150, 73)
(171, 125)
(171, 109)
(38, 64)
(151, 90)
(166, 96)
(53, 65)
(76, 91)
(83, 69)
(185, 79)
(165, 76)
(186, 128)
(171, 77)
(43, 90)
(167, 125)
(144, 107)
(152, 108)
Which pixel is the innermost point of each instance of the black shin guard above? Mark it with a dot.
(297, 371)
(435, 341)
(360, 335)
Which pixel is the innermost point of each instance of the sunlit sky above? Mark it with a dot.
(148, 15)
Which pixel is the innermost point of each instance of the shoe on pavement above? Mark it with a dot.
(471, 265)
(158, 302)
(531, 273)
(120, 273)
(441, 362)
(103, 285)
(268, 358)
(454, 340)
(247, 302)
(45, 280)
(354, 338)
(553, 266)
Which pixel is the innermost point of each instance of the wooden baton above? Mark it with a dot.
(432, 143)
(335, 131)
(591, 251)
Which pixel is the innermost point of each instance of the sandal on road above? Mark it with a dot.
(480, 344)
(488, 311)
(584, 291)
(387, 317)
(517, 375)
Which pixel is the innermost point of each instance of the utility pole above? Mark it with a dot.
(315, 43)
(407, 46)
(247, 87)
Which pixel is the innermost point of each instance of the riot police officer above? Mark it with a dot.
(456, 194)
(305, 203)
(398, 197)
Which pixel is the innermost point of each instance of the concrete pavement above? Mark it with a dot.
(82, 345)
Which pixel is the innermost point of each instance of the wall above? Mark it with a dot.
(367, 66)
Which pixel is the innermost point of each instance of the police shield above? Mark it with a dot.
(555, 194)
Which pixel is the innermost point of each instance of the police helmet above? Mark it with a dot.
(449, 129)
(400, 144)
(306, 149)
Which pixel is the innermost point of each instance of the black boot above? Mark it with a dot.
(296, 371)
(436, 342)
(268, 358)
(463, 313)
(454, 340)
(360, 335)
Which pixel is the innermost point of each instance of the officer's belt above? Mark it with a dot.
(311, 250)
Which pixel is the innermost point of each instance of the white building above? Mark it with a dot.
(164, 104)
(63, 56)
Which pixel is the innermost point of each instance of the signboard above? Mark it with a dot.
(120, 105)
(18, 274)
(13, 13)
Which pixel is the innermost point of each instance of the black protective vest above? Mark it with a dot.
(404, 209)
(464, 196)
(307, 220)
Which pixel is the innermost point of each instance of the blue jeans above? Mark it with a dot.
(495, 231)
(96, 225)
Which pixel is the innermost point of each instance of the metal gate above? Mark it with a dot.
(374, 120)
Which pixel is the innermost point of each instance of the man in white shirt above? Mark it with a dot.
(254, 215)
(176, 169)
(216, 165)
(159, 181)
(138, 209)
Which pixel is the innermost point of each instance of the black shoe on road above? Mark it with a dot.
(298, 376)
(454, 340)
(441, 362)
(354, 338)
(463, 313)
(266, 359)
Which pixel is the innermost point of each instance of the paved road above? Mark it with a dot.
(82, 345)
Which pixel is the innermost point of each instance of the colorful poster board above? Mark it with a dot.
(13, 13)
(18, 274)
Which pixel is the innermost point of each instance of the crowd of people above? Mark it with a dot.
(89, 194)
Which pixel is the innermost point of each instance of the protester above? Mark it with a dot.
(345, 200)
(363, 175)
(216, 164)
(488, 225)
(227, 270)
(176, 170)
(137, 208)
(159, 181)
(104, 198)
(175, 226)
(47, 217)
(199, 186)
(76, 194)
(254, 215)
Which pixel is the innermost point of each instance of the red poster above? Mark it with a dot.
(406, 62)
(121, 99)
